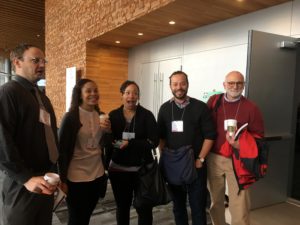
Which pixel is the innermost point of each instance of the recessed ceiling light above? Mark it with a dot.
(118, 42)
(140, 34)
(38, 35)
(172, 22)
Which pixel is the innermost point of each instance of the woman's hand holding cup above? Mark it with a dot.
(105, 122)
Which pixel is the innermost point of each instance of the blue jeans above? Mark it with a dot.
(197, 195)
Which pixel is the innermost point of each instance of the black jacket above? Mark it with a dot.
(139, 149)
(67, 135)
(23, 146)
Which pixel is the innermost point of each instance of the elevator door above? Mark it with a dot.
(271, 85)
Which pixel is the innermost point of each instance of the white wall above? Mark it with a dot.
(210, 52)
(207, 54)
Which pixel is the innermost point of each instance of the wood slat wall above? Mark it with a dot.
(108, 67)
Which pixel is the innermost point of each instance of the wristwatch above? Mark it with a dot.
(201, 159)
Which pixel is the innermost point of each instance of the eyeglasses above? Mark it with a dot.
(232, 83)
(36, 60)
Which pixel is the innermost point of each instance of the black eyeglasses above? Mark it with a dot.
(36, 60)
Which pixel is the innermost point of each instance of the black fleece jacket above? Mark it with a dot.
(139, 149)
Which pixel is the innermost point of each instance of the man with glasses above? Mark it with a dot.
(26, 115)
(232, 107)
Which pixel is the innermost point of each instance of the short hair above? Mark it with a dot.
(76, 100)
(126, 83)
(179, 72)
(18, 52)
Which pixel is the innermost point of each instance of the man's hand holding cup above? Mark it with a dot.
(231, 127)
(52, 180)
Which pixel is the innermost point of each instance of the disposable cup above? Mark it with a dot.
(103, 117)
(231, 126)
(52, 178)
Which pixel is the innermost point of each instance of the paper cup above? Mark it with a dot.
(52, 178)
(103, 117)
(231, 126)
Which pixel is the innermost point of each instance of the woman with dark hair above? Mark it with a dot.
(134, 130)
(80, 164)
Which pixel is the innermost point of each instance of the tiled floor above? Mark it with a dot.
(279, 214)
(104, 214)
(161, 215)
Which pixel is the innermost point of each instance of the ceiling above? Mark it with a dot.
(188, 14)
(21, 21)
(24, 20)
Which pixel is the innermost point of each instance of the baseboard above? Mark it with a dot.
(293, 201)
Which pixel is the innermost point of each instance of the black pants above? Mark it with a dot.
(23, 207)
(124, 185)
(196, 193)
(82, 199)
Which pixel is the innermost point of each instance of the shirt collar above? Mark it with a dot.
(235, 100)
(181, 105)
(24, 82)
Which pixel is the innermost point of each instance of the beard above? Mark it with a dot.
(234, 94)
(180, 94)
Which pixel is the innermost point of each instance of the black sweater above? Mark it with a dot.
(139, 149)
(197, 125)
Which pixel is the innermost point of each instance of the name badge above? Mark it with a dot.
(44, 117)
(91, 143)
(128, 135)
(177, 126)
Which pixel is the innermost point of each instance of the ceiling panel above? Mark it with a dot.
(24, 20)
(188, 14)
(21, 21)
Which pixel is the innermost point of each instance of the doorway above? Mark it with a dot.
(295, 193)
(295, 184)
(273, 85)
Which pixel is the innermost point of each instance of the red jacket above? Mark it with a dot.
(250, 161)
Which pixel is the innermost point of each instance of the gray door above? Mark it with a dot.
(271, 85)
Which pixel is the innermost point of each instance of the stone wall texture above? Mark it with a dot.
(69, 24)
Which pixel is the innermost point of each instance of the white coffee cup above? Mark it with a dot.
(231, 126)
(52, 178)
(103, 117)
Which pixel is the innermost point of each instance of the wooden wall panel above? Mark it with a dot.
(70, 24)
(108, 67)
